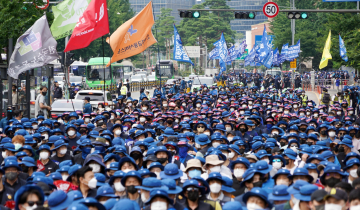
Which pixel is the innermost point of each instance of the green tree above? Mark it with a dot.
(165, 30)
(312, 32)
(16, 17)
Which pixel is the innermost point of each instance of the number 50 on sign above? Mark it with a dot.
(270, 9)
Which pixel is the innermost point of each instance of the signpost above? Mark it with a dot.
(45, 6)
(293, 64)
(271, 9)
(192, 51)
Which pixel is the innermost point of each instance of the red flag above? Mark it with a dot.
(92, 24)
(40, 166)
(62, 185)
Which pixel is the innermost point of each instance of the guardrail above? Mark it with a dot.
(134, 86)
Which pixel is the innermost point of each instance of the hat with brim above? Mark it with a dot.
(92, 202)
(227, 189)
(117, 174)
(159, 192)
(263, 167)
(173, 173)
(241, 160)
(194, 183)
(305, 192)
(131, 174)
(149, 183)
(332, 168)
(295, 188)
(258, 192)
(194, 163)
(346, 142)
(202, 139)
(338, 194)
(301, 172)
(59, 200)
(249, 173)
(278, 157)
(279, 197)
(213, 160)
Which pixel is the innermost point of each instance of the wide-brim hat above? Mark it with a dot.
(213, 160)
(194, 163)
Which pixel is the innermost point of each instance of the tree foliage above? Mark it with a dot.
(312, 32)
(208, 28)
(165, 30)
(16, 17)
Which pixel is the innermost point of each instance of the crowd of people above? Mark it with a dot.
(219, 147)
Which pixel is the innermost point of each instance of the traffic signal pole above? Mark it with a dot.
(285, 10)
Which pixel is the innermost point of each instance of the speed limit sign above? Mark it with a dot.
(271, 9)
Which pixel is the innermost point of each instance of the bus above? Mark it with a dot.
(128, 69)
(164, 69)
(78, 68)
(97, 73)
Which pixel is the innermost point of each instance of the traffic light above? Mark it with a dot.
(297, 15)
(61, 57)
(189, 14)
(69, 61)
(244, 15)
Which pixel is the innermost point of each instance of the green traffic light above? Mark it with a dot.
(251, 15)
(304, 15)
(196, 14)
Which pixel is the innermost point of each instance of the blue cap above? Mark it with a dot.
(131, 174)
(159, 192)
(351, 162)
(227, 185)
(171, 184)
(258, 192)
(126, 204)
(171, 171)
(263, 167)
(202, 139)
(295, 188)
(232, 205)
(25, 188)
(59, 200)
(216, 176)
(149, 183)
(100, 179)
(305, 192)
(106, 191)
(302, 172)
(290, 154)
(279, 193)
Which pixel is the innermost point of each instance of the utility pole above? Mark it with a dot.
(10, 79)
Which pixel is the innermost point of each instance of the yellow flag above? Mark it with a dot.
(134, 36)
(326, 53)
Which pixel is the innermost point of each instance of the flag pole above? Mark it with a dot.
(102, 42)
(158, 55)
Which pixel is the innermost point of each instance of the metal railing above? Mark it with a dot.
(134, 86)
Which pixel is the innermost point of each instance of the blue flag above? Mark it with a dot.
(276, 57)
(264, 48)
(223, 53)
(233, 54)
(214, 54)
(250, 57)
(343, 53)
(179, 53)
(283, 55)
(268, 62)
(293, 51)
(241, 49)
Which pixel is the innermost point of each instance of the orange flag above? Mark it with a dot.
(134, 36)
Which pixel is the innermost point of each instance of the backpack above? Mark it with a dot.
(326, 98)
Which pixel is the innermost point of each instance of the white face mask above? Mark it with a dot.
(126, 110)
(87, 120)
(144, 198)
(215, 144)
(230, 139)
(215, 188)
(266, 160)
(118, 132)
(207, 133)
(95, 167)
(294, 148)
(142, 119)
(158, 205)
(277, 165)
(44, 155)
(144, 108)
(231, 155)
(315, 176)
(353, 173)
(30, 207)
(219, 101)
(351, 112)
(338, 113)
(228, 129)
(17, 146)
(242, 112)
(64, 177)
(331, 133)
(63, 151)
(308, 113)
(244, 105)
(275, 133)
(184, 104)
(321, 110)
(253, 206)
(238, 173)
(282, 182)
(273, 114)
(119, 187)
(197, 145)
(301, 114)
(316, 115)
(198, 105)
(46, 136)
(71, 132)
(164, 105)
(357, 207)
(332, 206)
(186, 118)
(3, 154)
(215, 169)
(158, 175)
(112, 117)
(92, 183)
(232, 109)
